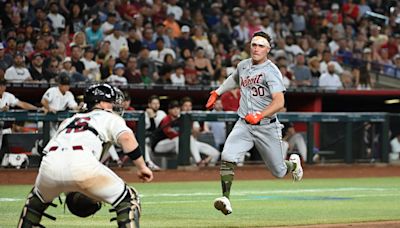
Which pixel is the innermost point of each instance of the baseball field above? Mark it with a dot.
(313, 202)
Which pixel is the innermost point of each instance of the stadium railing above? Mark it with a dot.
(309, 118)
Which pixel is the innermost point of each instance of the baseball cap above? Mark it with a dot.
(19, 53)
(173, 104)
(119, 66)
(63, 79)
(185, 28)
(367, 50)
(67, 59)
(37, 54)
(117, 27)
(236, 58)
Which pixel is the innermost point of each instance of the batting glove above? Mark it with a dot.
(211, 100)
(253, 118)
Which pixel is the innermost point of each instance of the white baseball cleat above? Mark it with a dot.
(297, 173)
(223, 204)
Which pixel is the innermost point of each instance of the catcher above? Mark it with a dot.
(71, 164)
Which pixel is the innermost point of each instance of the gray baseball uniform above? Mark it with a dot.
(257, 84)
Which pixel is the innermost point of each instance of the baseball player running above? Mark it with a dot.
(262, 96)
(71, 163)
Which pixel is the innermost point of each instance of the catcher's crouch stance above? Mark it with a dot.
(71, 164)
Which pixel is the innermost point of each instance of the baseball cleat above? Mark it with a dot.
(223, 204)
(297, 173)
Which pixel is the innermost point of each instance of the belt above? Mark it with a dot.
(53, 148)
(259, 123)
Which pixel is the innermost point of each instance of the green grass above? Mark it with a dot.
(255, 204)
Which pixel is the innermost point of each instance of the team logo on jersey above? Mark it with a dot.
(250, 80)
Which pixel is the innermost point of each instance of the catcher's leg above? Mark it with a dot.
(127, 209)
(33, 211)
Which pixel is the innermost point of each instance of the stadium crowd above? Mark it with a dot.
(330, 44)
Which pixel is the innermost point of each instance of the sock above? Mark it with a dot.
(226, 172)
(290, 166)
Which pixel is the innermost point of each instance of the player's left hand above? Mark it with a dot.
(145, 174)
(253, 118)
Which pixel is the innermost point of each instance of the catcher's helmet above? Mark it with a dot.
(99, 92)
(81, 205)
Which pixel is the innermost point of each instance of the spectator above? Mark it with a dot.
(76, 54)
(329, 79)
(91, 67)
(230, 100)
(298, 20)
(178, 78)
(151, 66)
(171, 23)
(108, 26)
(286, 80)
(11, 44)
(145, 74)
(52, 71)
(377, 37)
(161, 32)
(224, 29)
(241, 32)
(94, 34)
(18, 72)
(57, 19)
(347, 80)
(123, 55)
(203, 66)
(53, 53)
(134, 43)
(75, 21)
(8, 100)
(40, 18)
(301, 72)
(201, 40)
(107, 68)
(313, 65)
(326, 59)
(190, 72)
(36, 68)
(117, 40)
(71, 71)
(118, 77)
(185, 41)
(132, 73)
(160, 52)
(6, 60)
(147, 40)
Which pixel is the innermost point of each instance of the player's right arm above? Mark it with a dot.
(230, 83)
(45, 102)
(130, 146)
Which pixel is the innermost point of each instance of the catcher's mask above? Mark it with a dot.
(81, 205)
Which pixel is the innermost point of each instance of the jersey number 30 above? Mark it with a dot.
(257, 91)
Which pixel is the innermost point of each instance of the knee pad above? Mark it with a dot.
(33, 211)
(128, 209)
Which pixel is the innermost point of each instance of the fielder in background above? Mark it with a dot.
(71, 164)
(262, 96)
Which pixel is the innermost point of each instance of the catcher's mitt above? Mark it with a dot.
(81, 205)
